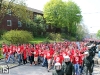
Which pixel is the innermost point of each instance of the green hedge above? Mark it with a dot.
(54, 36)
(17, 36)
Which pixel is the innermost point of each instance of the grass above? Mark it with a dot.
(37, 40)
(1, 56)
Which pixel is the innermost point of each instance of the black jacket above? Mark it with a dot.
(68, 68)
(88, 61)
(60, 72)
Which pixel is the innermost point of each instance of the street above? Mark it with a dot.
(38, 70)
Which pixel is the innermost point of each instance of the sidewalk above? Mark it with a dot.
(10, 64)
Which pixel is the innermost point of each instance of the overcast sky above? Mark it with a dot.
(90, 11)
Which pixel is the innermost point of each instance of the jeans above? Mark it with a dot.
(30, 59)
(99, 54)
(19, 58)
(45, 63)
(81, 69)
(12, 57)
(77, 70)
(40, 59)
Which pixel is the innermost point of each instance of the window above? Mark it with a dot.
(19, 24)
(51, 27)
(47, 27)
(9, 23)
(9, 11)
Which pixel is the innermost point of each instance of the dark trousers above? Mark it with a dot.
(24, 61)
(88, 70)
(30, 59)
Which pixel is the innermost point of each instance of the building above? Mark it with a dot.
(10, 22)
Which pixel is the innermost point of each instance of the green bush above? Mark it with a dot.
(64, 36)
(46, 41)
(17, 36)
(54, 37)
(2, 32)
(72, 39)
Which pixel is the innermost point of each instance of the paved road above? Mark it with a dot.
(28, 70)
(38, 70)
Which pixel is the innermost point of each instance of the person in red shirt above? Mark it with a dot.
(41, 55)
(19, 54)
(36, 54)
(76, 63)
(58, 58)
(5, 52)
(81, 62)
(24, 55)
(11, 54)
(44, 58)
(30, 54)
(49, 56)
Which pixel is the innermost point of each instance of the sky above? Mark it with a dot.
(90, 11)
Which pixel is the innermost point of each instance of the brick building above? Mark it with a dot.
(10, 22)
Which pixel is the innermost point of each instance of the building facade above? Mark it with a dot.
(10, 22)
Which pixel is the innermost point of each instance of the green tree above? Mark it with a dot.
(82, 31)
(17, 36)
(63, 14)
(15, 8)
(37, 26)
(55, 13)
(98, 34)
(74, 16)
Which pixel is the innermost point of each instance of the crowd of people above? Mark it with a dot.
(66, 58)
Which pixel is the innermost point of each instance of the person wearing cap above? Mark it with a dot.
(57, 69)
(67, 66)
(88, 64)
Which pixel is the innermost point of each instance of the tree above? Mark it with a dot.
(15, 8)
(37, 25)
(98, 34)
(82, 31)
(55, 13)
(63, 14)
(17, 36)
(74, 16)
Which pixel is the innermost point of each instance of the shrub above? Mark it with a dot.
(46, 41)
(17, 36)
(72, 39)
(64, 36)
(54, 36)
(2, 32)
(51, 36)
